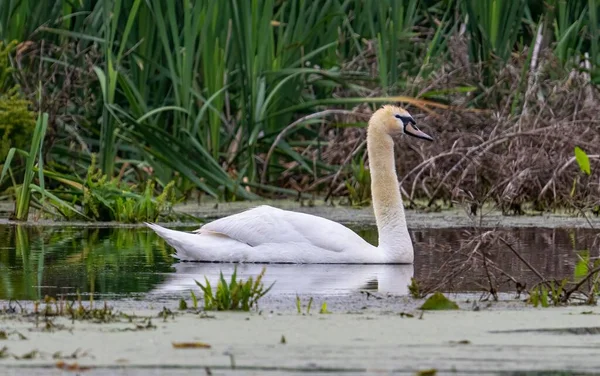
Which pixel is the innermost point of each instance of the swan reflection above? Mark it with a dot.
(315, 279)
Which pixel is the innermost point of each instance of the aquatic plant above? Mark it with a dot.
(324, 309)
(414, 289)
(299, 305)
(438, 302)
(584, 286)
(94, 198)
(234, 295)
(194, 300)
(542, 294)
(109, 199)
(33, 162)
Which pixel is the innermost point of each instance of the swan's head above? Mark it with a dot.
(394, 119)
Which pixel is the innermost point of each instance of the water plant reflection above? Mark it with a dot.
(40, 261)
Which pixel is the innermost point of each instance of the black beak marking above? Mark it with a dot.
(408, 120)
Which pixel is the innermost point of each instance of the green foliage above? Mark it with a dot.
(439, 302)
(95, 198)
(6, 69)
(544, 294)
(24, 191)
(235, 295)
(494, 27)
(194, 300)
(392, 23)
(299, 305)
(582, 160)
(200, 90)
(107, 199)
(359, 184)
(539, 296)
(570, 20)
(414, 289)
(16, 120)
(582, 266)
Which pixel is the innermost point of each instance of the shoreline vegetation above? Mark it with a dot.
(117, 110)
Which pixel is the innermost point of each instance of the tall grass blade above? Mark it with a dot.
(24, 193)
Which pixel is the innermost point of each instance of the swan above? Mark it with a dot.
(270, 235)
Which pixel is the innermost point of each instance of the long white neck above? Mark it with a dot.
(394, 239)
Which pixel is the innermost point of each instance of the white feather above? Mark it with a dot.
(269, 235)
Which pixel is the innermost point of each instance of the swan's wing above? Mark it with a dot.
(266, 224)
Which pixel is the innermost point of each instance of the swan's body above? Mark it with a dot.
(270, 235)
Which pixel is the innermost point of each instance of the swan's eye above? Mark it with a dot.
(397, 116)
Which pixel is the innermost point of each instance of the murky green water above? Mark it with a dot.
(134, 262)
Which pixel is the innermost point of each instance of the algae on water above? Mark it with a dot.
(438, 302)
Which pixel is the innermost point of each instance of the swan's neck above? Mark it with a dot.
(394, 239)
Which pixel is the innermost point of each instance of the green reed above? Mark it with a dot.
(199, 90)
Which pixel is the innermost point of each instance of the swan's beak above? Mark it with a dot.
(412, 130)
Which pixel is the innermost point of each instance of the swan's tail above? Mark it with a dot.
(175, 239)
(202, 246)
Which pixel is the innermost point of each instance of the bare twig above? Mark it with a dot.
(534, 270)
(580, 283)
(295, 124)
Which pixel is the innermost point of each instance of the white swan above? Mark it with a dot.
(270, 235)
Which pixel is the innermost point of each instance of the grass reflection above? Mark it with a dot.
(37, 261)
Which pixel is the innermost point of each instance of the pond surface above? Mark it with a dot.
(115, 263)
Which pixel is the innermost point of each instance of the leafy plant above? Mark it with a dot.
(359, 184)
(438, 302)
(414, 289)
(107, 199)
(582, 160)
(544, 294)
(234, 295)
(17, 122)
(539, 296)
(95, 198)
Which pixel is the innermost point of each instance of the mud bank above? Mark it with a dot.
(453, 218)
(449, 218)
(362, 341)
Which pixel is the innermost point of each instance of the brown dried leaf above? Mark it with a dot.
(71, 367)
(190, 345)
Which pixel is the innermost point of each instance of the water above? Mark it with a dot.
(115, 263)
